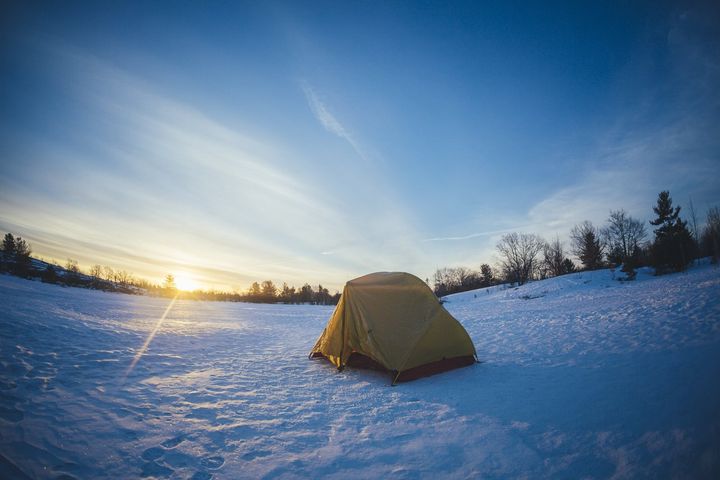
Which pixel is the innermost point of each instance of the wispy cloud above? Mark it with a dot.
(149, 182)
(470, 236)
(166, 181)
(328, 120)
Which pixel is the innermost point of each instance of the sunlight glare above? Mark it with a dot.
(184, 281)
(149, 339)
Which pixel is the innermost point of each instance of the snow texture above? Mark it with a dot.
(582, 376)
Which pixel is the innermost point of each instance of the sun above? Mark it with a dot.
(185, 281)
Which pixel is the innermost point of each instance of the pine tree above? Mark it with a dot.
(664, 210)
(169, 284)
(486, 273)
(586, 245)
(268, 292)
(7, 259)
(49, 275)
(306, 294)
(674, 245)
(568, 266)
(22, 257)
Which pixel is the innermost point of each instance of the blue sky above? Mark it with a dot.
(319, 141)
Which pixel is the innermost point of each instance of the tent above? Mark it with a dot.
(393, 321)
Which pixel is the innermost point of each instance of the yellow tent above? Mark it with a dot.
(393, 321)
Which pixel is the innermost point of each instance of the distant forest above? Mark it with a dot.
(16, 259)
(622, 242)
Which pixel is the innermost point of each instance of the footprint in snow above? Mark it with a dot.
(152, 469)
(212, 463)
(152, 453)
(201, 475)
(66, 467)
(12, 415)
(173, 442)
(256, 454)
(177, 459)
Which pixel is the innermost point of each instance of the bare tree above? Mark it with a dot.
(458, 279)
(695, 231)
(554, 257)
(693, 221)
(72, 266)
(519, 256)
(623, 235)
(466, 278)
(123, 278)
(108, 273)
(710, 243)
(443, 281)
(96, 272)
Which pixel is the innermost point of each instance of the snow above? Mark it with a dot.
(582, 376)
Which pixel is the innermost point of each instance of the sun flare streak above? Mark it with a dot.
(145, 346)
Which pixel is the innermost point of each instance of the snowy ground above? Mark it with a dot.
(582, 377)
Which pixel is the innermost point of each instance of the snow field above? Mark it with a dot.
(582, 377)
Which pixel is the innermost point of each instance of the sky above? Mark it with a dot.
(232, 142)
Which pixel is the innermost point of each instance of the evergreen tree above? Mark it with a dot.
(673, 247)
(486, 274)
(322, 297)
(49, 275)
(306, 294)
(21, 257)
(8, 252)
(269, 292)
(169, 284)
(8, 245)
(287, 294)
(586, 245)
(568, 266)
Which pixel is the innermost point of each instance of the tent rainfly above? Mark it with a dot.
(393, 321)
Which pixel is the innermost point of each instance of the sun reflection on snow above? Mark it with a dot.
(158, 324)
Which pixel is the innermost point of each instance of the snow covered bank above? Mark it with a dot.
(582, 376)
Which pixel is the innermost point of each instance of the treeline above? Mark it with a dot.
(267, 292)
(623, 241)
(20, 263)
(461, 279)
(16, 259)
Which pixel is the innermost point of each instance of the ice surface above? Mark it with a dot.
(583, 376)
